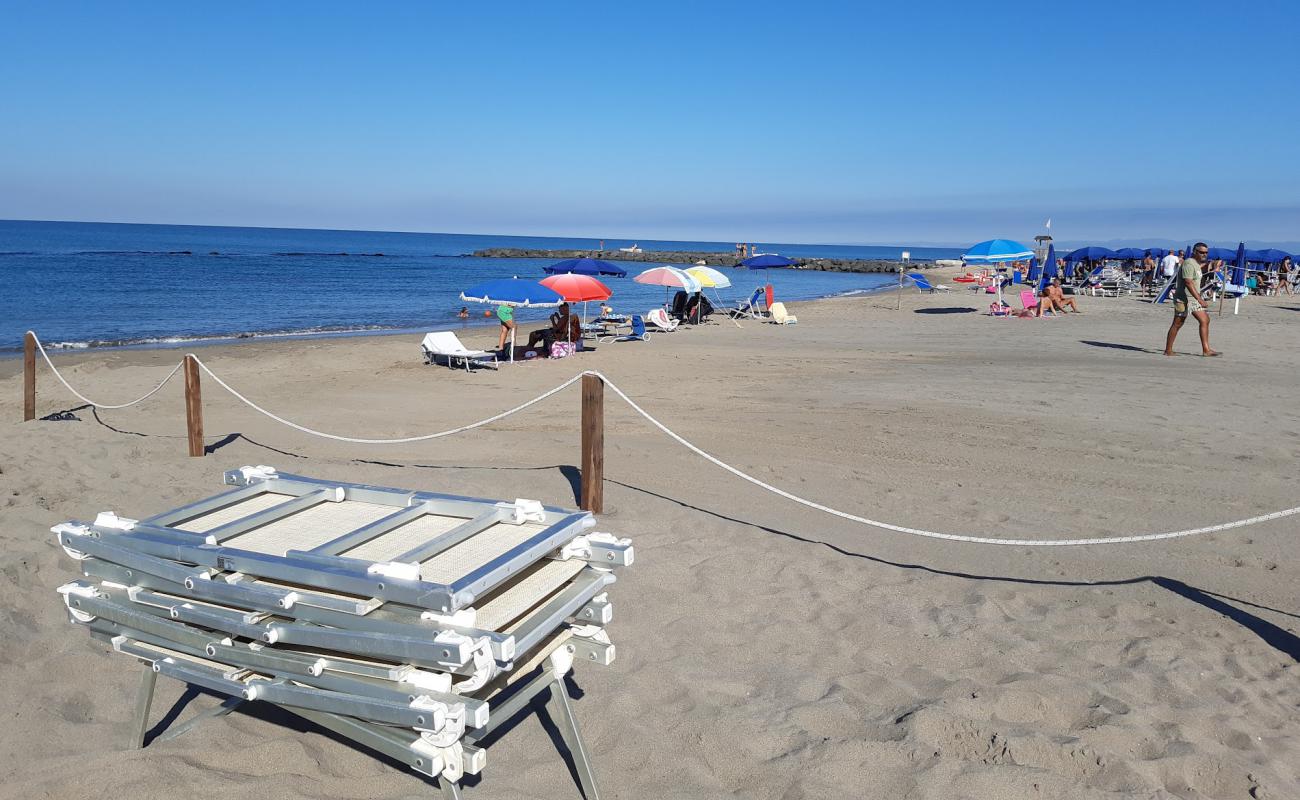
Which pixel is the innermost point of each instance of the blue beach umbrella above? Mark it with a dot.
(1049, 269)
(1091, 254)
(1131, 253)
(1221, 253)
(1033, 270)
(1272, 255)
(766, 261)
(997, 251)
(515, 293)
(1239, 266)
(585, 266)
(1157, 252)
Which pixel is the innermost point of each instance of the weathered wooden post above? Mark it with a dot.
(29, 377)
(193, 406)
(593, 445)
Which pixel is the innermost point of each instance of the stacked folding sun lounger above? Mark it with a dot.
(413, 623)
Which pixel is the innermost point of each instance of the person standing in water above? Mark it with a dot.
(1187, 300)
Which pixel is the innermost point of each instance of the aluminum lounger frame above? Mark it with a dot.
(416, 642)
(397, 743)
(325, 570)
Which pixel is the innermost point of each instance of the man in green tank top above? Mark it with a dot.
(1187, 300)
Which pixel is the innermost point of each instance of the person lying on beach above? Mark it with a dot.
(1054, 299)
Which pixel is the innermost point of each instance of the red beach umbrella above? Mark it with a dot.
(577, 288)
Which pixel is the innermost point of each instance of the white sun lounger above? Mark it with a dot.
(446, 344)
(780, 316)
(657, 320)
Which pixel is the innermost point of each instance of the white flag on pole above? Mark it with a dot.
(1049, 224)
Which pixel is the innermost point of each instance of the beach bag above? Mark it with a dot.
(561, 349)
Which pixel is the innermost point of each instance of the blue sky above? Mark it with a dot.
(914, 122)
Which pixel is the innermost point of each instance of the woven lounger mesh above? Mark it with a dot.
(401, 539)
(231, 513)
(308, 528)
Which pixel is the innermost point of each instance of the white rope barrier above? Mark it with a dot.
(87, 400)
(404, 440)
(952, 537)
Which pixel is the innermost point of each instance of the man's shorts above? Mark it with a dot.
(1190, 306)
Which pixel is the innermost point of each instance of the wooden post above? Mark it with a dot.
(593, 445)
(29, 377)
(193, 407)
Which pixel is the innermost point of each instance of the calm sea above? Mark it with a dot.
(109, 285)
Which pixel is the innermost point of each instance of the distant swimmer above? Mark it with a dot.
(464, 312)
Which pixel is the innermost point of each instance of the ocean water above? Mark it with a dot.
(111, 285)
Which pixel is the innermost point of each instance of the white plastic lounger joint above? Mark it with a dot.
(423, 679)
(69, 529)
(451, 722)
(484, 666)
(523, 510)
(601, 549)
(395, 569)
(249, 475)
(591, 643)
(111, 521)
(445, 762)
(464, 618)
(78, 589)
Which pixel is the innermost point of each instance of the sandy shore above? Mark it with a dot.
(765, 649)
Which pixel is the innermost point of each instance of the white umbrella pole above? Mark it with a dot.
(512, 341)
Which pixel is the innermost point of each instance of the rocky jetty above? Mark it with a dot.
(690, 258)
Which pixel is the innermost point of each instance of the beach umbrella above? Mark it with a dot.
(515, 293)
(585, 266)
(669, 277)
(1033, 270)
(1157, 252)
(1049, 269)
(1091, 254)
(578, 288)
(1239, 266)
(1131, 253)
(1272, 255)
(766, 261)
(1221, 253)
(997, 251)
(709, 277)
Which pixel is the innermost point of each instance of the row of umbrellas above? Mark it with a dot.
(575, 281)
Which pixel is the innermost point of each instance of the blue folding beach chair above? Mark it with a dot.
(638, 333)
(924, 285)
(748, 308)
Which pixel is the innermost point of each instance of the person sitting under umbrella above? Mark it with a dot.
(563, 326)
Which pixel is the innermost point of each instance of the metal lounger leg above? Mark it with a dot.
(143, 701)
(227, 705)
(562, 714)
(450, 790)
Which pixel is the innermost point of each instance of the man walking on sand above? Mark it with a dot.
(1187, 300)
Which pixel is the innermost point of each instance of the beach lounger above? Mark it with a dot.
(780, 316)
(445, 344)
(657, 320)
(1030, 301)
(924, 285)
(413, 623)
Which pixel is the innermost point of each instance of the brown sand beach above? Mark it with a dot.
(765, 649)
